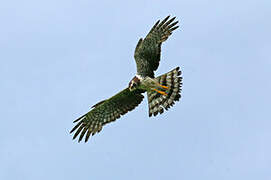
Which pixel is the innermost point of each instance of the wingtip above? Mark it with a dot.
(73, 138)
(78, 119)
(172, 19)
(166, 18)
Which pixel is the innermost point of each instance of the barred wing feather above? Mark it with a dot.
(148, 51)
(105, 112)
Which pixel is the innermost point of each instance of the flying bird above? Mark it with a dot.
(162, 91)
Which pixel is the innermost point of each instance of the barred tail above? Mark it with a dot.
(158, 102)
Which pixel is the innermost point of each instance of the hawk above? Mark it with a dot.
(162, 91)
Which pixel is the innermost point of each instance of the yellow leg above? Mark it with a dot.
(160, 92)
(165, 87)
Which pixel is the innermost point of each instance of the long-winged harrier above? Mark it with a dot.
(162, 91)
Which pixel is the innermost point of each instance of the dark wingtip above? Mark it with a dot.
(161, 111)
(174, 28)
(73, 137)
(76, 126)
(78, 119)
(172, 19)
(157, 22)
(87, 135)
(166, 18)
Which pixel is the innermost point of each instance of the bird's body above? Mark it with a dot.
(148, 84)
(162, 91)
(144, 83)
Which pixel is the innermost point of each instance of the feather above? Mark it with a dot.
(106, 111)
(148, 50)
(157, 102)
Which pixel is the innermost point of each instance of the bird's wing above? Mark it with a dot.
(106, 111)
(148, 50)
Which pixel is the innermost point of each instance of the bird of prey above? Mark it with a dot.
(162, 91)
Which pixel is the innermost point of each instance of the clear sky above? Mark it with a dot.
(58, 58)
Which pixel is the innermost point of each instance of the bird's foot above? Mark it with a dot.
(164, 87)
(160, 92)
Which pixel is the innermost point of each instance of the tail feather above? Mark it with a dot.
(158, 102)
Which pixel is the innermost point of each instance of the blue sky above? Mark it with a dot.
(58, 58)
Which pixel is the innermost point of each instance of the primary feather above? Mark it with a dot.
(148, 51)
(105, 112)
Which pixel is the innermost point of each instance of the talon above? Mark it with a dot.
(160, 92)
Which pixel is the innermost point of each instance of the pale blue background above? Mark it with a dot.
(58, 58)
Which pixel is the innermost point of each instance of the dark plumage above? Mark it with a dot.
(148, 50)
(106, 111)
(162, 91)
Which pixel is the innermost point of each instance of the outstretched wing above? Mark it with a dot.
(148, 50)
(106, 111)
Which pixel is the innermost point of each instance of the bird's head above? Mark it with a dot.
(134, 83)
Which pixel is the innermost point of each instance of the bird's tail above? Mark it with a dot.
(157, 101)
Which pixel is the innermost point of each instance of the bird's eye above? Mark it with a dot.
(133, 85)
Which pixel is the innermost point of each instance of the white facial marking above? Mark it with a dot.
(139, 77)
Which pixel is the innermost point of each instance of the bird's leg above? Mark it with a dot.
(160, 92)
(165, 87)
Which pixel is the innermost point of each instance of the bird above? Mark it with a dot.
(162, 91)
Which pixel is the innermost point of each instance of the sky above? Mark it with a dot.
(58, 58)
